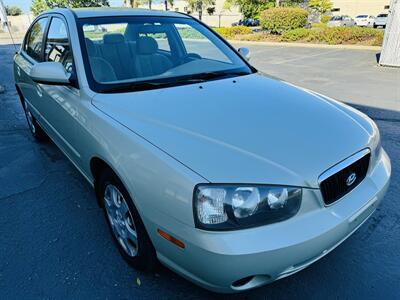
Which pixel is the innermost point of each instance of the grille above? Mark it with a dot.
(339, 184)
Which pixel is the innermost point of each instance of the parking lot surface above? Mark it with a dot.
(351, 76)
(54, 242)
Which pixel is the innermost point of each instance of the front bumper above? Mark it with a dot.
(215, 260)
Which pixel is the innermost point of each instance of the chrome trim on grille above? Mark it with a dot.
(343, 164)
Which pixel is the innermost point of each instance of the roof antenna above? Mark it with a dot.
(5, 23)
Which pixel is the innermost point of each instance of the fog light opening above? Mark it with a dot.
(242, 282)
(250, 282)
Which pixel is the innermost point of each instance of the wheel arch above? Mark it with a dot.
(19, 92)
(97, 167)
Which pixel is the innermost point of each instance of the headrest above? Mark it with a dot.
(146, 45)
(113, 38)
(91, 47)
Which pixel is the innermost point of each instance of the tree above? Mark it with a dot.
(321, 6)
(149, 2)
(170, 2)
(13, 11)
(39, 6)
(134, 3)
(250, 8)
(211, 10)
(200, 5)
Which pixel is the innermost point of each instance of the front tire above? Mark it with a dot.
(125, 224)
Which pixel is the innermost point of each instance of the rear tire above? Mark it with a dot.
(34, 127)
(125, 224)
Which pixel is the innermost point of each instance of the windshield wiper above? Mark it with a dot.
(134, 86)
(149, 85)
(218, 74)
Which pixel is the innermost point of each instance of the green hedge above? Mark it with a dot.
(335, 35)
(325, 19)
(281, 19)
(295, 35)
(230, 32)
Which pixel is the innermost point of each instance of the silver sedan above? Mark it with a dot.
(337, 21)
(229, 177)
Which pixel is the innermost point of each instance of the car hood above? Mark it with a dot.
(248, 129)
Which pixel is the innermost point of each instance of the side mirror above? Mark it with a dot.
(244, 52)
(50, 73)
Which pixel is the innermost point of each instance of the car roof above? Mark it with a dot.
(93, 12)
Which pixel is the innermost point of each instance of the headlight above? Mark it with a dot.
(376, 147)
(227, 207)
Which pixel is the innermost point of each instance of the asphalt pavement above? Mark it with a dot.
(54, 242)
(352, 76)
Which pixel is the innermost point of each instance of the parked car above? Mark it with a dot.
(247, 22)
(337, 21)
(381, 21)
(229, 177)
(365, 20)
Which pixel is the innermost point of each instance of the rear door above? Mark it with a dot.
(31, 52)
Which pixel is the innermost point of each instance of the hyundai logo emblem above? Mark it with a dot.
(350, 180)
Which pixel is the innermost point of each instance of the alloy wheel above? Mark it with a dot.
(121, 220)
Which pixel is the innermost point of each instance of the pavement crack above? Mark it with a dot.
(39, 185)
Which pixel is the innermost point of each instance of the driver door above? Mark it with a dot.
(59, 105)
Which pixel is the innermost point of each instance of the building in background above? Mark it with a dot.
(220, 17)
(354, 8)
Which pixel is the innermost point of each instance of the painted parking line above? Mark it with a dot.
(302, 57)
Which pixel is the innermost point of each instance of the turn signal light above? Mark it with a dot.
(171, 238)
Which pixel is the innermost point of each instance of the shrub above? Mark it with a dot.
(296, 35)
(321, 6)
(335, 35)
(351, 35)
(13, 11)
(280, 19)
(230, 32)
(325, 19)
(259, 37)
(319, 25)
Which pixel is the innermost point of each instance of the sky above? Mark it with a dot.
(26, 4)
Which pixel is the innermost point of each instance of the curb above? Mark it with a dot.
(306, 45)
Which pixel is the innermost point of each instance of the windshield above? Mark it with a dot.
(382, 16)
(337, 18)
(148, 52)
(362, 16)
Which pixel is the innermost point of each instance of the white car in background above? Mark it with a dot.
(337, 21)
(365, 20)
(381, 20)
